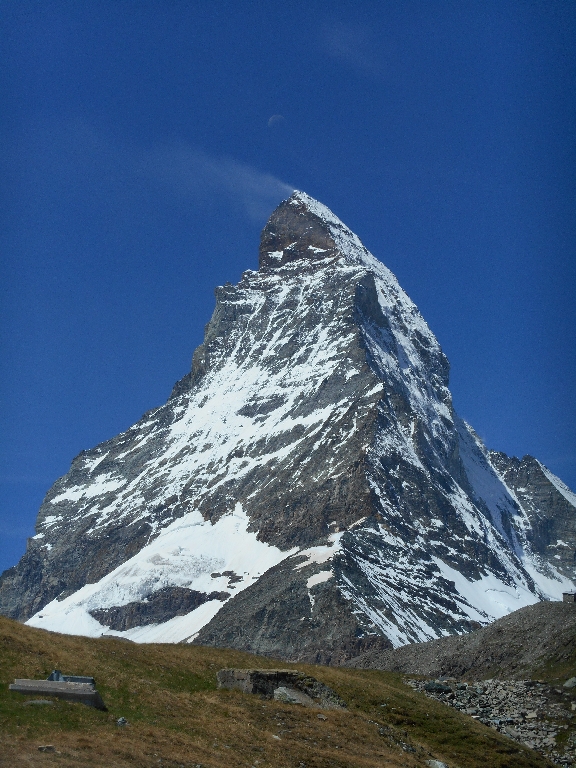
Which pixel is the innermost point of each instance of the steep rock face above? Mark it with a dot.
(311, 466)
(549, 504)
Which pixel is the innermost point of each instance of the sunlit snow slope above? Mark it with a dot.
(307, 491)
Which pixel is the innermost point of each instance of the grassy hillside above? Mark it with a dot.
(177, 717)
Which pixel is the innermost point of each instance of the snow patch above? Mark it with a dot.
(321, 554)
(50, 520)
(183, 555)
(318, 578)
(98, 487)
(488, 596)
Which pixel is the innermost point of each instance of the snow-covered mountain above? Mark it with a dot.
(307, 491)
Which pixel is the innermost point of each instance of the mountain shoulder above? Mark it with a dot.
(526, 643)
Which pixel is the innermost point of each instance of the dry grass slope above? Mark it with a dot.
(178, 717)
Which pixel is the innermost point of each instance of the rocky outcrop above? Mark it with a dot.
(276, 617)
(314, 453)
(286, 685)
(158, 607)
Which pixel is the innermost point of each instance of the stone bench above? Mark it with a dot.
(84, 693)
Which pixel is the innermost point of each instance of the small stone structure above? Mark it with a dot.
(287, 685)
(569, 597)
(67, 687)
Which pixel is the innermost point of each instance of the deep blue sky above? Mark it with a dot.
(139, 163)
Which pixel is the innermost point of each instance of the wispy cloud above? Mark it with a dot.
(192, 171)
(76, 154)
(351, 43)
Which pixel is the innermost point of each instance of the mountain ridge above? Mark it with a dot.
(498, 650)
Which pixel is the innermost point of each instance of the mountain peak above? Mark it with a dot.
(296, 231)
(303, 229)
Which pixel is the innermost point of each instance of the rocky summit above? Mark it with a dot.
(308, 491)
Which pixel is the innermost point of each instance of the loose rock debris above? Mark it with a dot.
(532, 712)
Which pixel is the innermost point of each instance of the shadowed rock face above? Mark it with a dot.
(291, 234)
(313, 452)
(274, 617)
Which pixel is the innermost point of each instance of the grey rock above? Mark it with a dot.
(552, 532)
(256, 681)
(571, 683)
(510, 713)
(499, 648)
(437, 687)
(267, 618)
(159, 606)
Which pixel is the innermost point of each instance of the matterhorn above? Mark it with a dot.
(308, 491)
